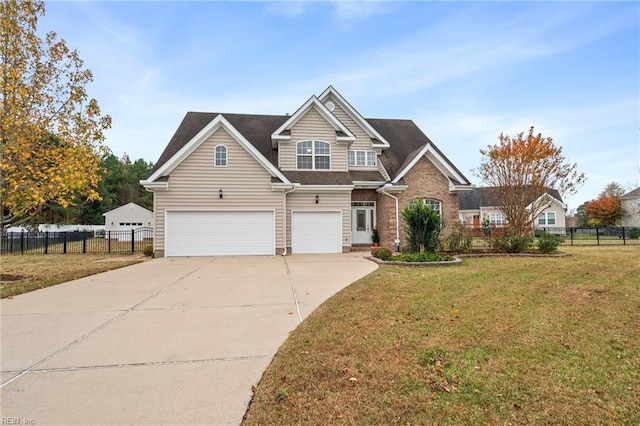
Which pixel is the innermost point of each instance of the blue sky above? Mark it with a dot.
(463, 71)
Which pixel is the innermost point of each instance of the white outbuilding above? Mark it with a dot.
(127, 218)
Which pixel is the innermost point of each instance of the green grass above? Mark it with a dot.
(496, 341)
(24, 273)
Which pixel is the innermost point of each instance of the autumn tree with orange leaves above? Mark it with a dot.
(520, 170)
(606, 210)
(51, 132)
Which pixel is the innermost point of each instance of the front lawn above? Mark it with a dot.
(510, 340)
(24, 273)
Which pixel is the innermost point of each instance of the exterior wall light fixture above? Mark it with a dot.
(220, 193)
(317, 199)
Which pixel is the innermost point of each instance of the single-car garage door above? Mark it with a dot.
(316, 232)
(206, 233)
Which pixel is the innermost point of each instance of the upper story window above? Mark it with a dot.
(362, 158)
(313, 155)
(435, 204)
(220, 154)
(548, 218)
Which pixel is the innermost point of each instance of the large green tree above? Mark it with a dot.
(422, 224)
(119, 185)
(51, 132)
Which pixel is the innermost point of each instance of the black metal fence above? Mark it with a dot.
(605, 236)
(98, 242)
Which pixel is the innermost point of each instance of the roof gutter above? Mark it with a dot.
(284, 219)
(382, 190)
(150, 185)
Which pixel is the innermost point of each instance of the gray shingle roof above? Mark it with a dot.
(633, 194)
(318, 178)
(481, 197)
(366, 176)
(405, 138)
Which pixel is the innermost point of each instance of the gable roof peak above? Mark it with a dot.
(219, 121)
(378, 140)
(343, 133)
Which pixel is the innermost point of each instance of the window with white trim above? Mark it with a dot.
(498, 219)
(313, 155)
(546, 219)
(220, 156)
(435, 204)
(362, 158)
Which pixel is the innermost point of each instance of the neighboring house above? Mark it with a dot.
(126, 218)
(476, 205)
(631, 208)
(316, 181)
(51, 227)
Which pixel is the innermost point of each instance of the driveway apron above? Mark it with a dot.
(168, 341)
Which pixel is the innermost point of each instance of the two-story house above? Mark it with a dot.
(317, 181)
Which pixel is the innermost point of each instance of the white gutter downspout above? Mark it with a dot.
(397, 240)
(284, 219)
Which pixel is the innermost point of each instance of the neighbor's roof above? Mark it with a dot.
(481, 197)
(633, 194)
(405, 138)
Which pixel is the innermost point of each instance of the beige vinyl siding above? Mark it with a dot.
(363, 140)
(305, 201)
(312, 126)
(631, 209)
(194, 185)
(560, 217)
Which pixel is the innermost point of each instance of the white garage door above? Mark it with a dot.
(316, 232)
(219, 233)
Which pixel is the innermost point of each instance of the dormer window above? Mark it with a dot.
(313, 155)
(220, 154)
(362, 158)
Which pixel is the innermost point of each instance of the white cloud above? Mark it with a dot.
(288, 9)
(438, 75)
(349, 10)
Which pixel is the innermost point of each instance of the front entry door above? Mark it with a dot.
(363, 220)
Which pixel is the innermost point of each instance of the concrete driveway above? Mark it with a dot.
(168, 341)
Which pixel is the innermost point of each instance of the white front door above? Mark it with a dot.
(363, 220)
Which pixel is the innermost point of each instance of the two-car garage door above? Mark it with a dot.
(222, 233)
(228, 233)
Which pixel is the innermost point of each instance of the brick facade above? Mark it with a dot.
(364, 195)
(424, 180)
